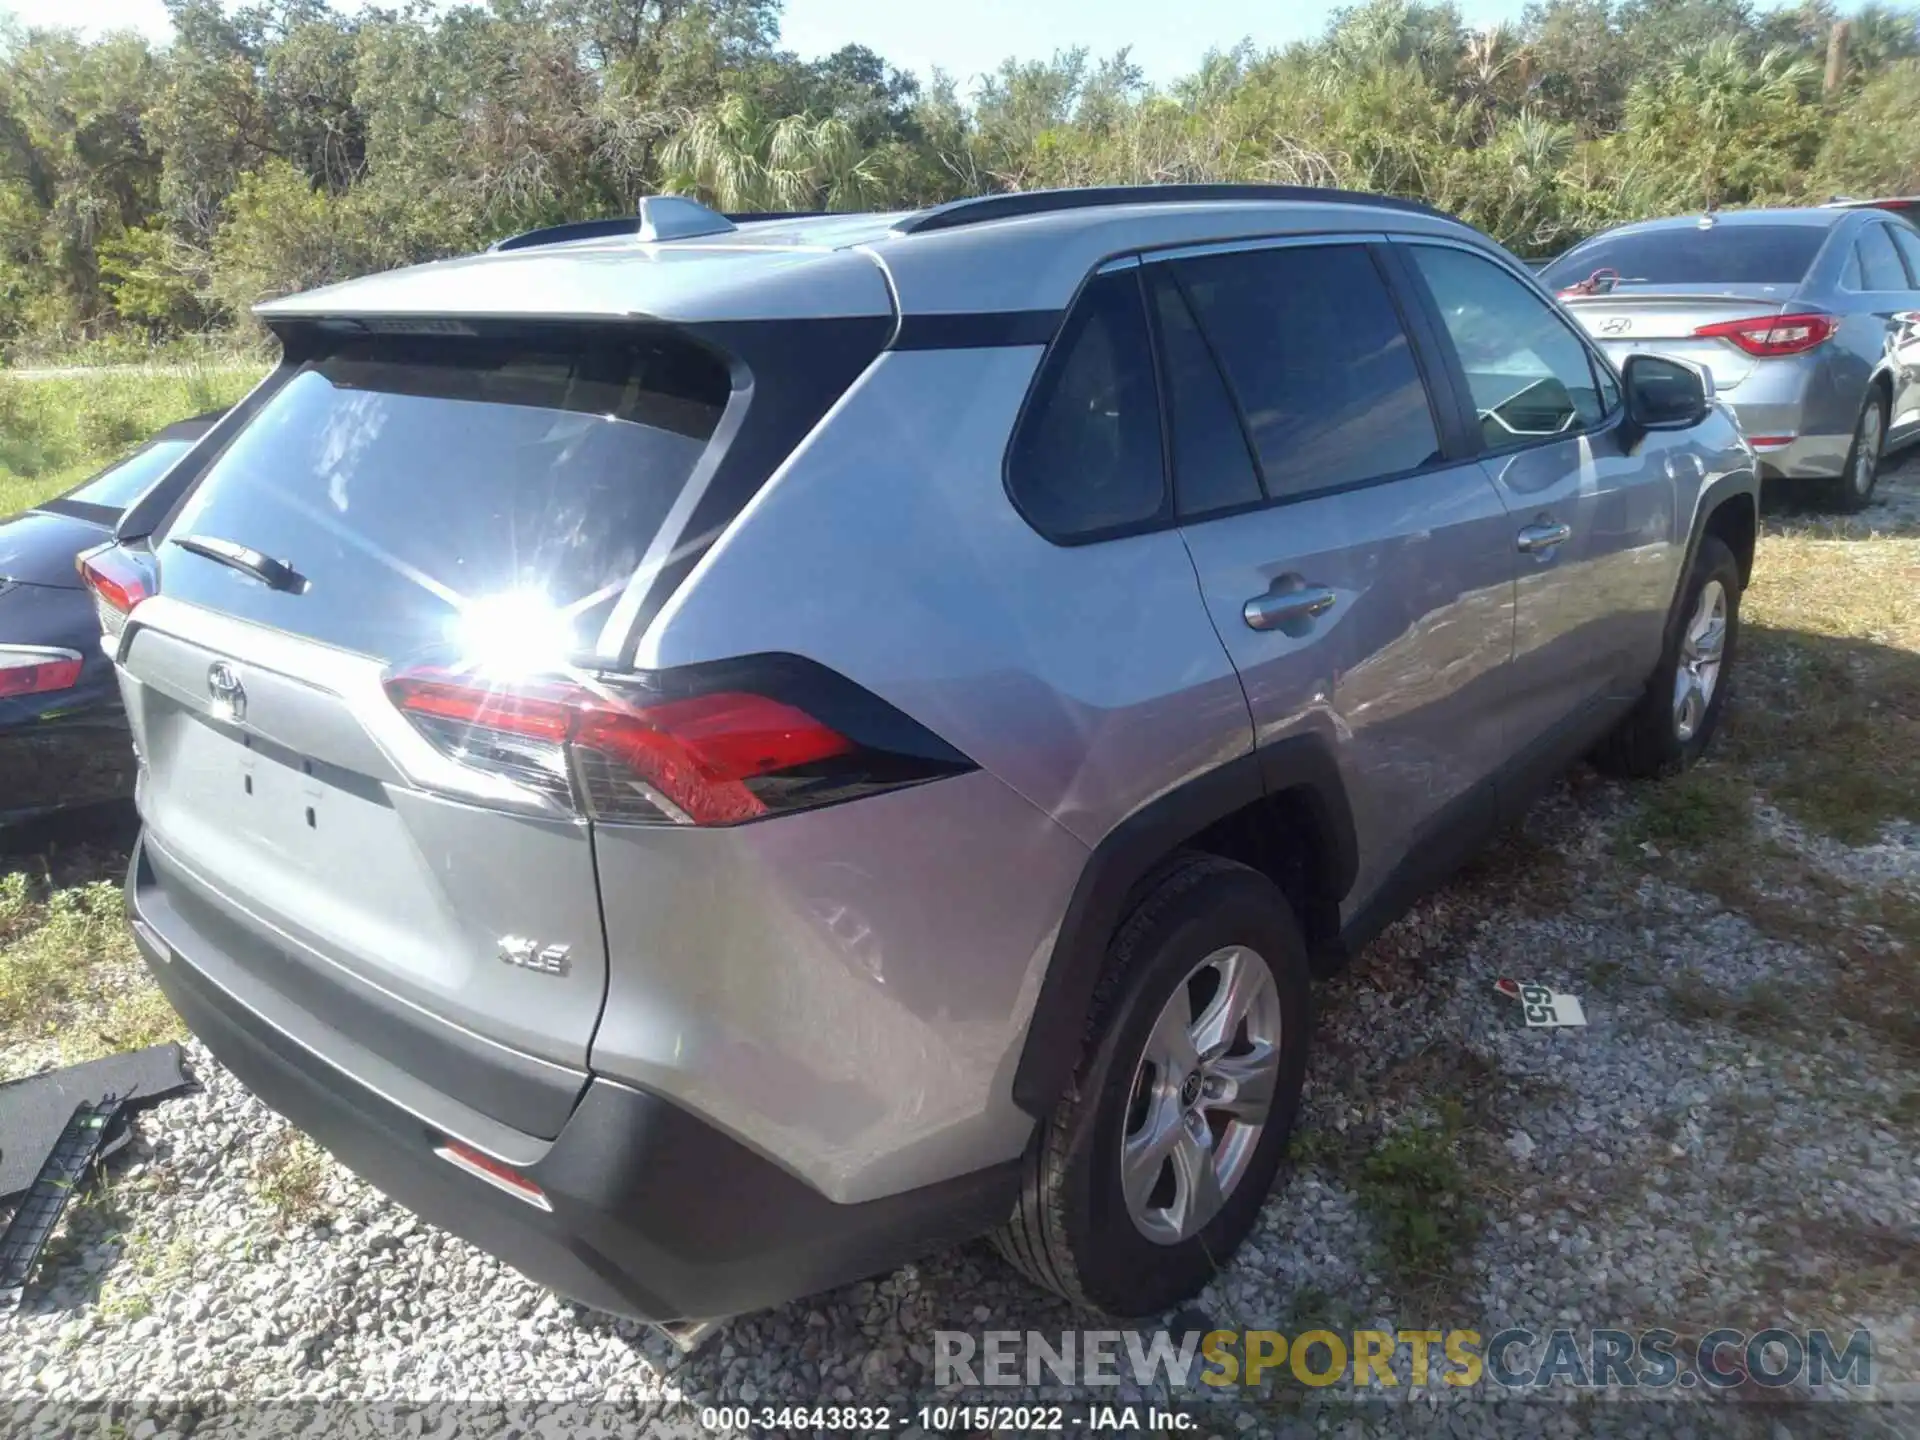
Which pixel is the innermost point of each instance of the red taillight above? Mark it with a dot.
(119, 580)
(496, 1173)
(700, 752)
(30, 670)
(689, 759)
(1771, 335)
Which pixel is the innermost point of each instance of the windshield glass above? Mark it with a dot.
(1720, 255)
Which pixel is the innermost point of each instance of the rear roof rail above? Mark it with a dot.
(980, 209)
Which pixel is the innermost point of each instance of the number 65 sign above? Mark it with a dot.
(1542, 1007)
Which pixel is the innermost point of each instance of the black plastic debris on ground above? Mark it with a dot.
(35, 1110)
(26, 1235)
(57, 1126)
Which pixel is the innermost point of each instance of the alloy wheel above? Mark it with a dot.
(1866, 450)
(1201, 1095)
(1702, 650)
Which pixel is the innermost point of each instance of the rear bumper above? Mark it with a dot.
(1805, 457)
(69, 754)
(655, 1214)
(1805, 453)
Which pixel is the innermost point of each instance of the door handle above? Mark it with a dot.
(1544, 536)
(1276, 608)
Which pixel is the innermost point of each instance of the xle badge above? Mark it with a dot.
(532, 955)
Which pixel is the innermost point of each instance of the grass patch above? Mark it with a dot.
(145, 1273)
(1766, 1010)
(1828, 712)
(56, 432)
(1414, 1189)
(1709, 805)
(292, 1178)
(69, 972)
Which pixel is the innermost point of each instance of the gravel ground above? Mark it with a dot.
(1700, 1154)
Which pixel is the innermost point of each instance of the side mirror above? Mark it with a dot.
(1664, 394)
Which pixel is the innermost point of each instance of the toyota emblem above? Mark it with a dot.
(229, 695)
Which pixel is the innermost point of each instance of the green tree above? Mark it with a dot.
(740, 158)
(1873, 145)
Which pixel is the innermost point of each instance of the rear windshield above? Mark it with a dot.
(449, 492)
(1719, 255)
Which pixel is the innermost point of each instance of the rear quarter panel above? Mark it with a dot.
(847, 989)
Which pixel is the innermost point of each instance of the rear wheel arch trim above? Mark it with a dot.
(1740, 487)
(1130, 856)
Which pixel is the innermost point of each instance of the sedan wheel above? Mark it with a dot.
(1868, 442)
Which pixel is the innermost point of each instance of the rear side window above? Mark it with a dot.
(453, 491)
(1315, 351)
(1907, 240)
(1212, 467)
(1880, 267)
(1716, 255)
(1086, 461)
(1528, 373)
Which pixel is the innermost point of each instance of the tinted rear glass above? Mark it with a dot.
(426, 490)
(1313, 346)
(1880, 267)
(1087, 460)
(121, 485)
(1720, 255)
(1212, 467)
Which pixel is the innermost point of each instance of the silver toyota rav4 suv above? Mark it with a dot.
(709, 756)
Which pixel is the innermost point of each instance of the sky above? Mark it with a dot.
(967, 39)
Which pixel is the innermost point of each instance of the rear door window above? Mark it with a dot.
(434, 492)
(1212, 466)
(1880, 267)
(1315, 352)
(1086, 461)
(1714, 255)
(1529, 374)
(1907, 240)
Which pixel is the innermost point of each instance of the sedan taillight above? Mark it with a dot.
(1773, 335)
(119, 579)
(690, 748)
(37, 670)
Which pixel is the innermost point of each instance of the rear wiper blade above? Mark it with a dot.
(272, 573)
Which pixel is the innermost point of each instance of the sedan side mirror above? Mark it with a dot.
(1664, 394)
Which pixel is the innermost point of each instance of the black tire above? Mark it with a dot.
(1071, 1230)
(1648, 742)
(1850, 491)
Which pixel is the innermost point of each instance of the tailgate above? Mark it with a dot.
(399, 503)
(291, 842)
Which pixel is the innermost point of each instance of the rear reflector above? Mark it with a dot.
(708, 748)
(1770, 442)
(119, 579)
(497, 1174)
(36, 670)
(1773, 335)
